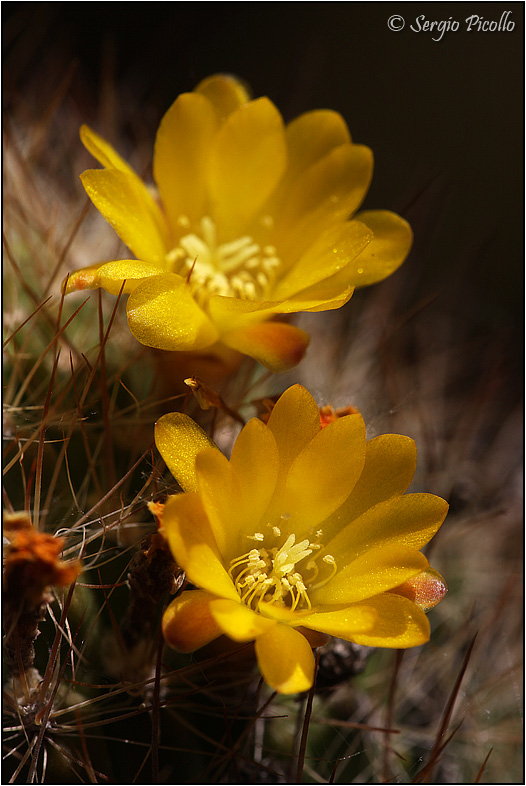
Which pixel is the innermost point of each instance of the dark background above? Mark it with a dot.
(444, 118)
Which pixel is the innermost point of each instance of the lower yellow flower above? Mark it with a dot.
(306, 529)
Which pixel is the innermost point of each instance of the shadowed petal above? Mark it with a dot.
(285, 659)
(399, 623)
(188, 623)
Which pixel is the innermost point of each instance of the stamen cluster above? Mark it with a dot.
(269, 574)
(240, 268)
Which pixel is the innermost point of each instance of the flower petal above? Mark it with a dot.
(230, 313)
(426, 590)
(294, 421)
(255, 460)
(343, 623)
(390, 463)
(220, 493)
(246, 163)
(324, 473)
(385, 253)
(188, 623)
(112, 275)
(180, 162)
(333, 250)
(326, 193)
(238, 621)
(376, 570)
(163, 314)
(285, 659)
(226, 93)
(129, 208)
(179, 440)
(276, 345)
(399, 623)
(410, 521)
(311, 136)
(103, 151)
(194, 547)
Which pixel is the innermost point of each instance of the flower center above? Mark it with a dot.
(270, 574)
(240, 268)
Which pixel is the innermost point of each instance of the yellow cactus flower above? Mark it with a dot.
(252, 221)
(306, 530)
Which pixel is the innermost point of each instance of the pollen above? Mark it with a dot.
(239, 268)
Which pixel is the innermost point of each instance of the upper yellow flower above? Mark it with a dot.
(304, 529)
(252, 222)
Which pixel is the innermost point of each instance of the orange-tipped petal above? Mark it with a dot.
(426, 590)
(276, 345)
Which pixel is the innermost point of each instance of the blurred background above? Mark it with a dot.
(435, 352)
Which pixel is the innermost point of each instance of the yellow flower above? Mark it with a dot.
(252, 222)
(306, 529)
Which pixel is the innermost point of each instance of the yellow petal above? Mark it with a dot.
(162, 313)
(246, 163)
(333, 250)
(426, 590)
(179, 440)
(103, 151)
(376, 570)
(230, 313)
(324, 473)
(180, 161)
(285, 659)
(385, 253)
(399, 623)
(294, 421)
(410, 521)
(311, 136)
(255, 460)
(276, 345)
(226, 93)
(326, 193)
(238, 621)
(188, 623)
(129, 208)
(343, 623)
(219, 492)
(193, 545)
(390, 463)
